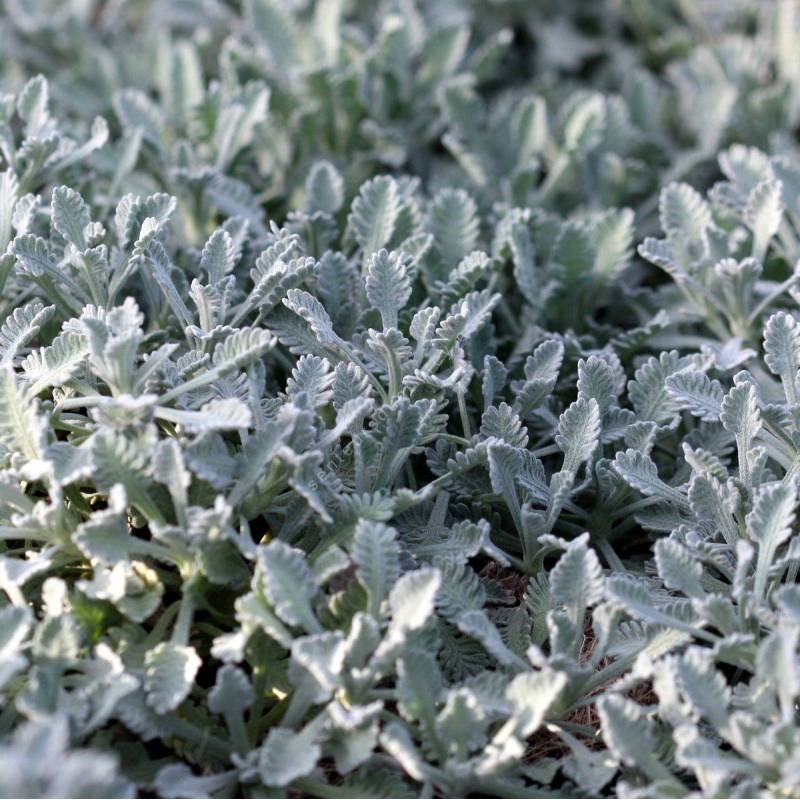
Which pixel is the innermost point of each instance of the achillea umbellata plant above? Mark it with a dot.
(399, 399)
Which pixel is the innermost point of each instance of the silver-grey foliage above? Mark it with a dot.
(399, 399)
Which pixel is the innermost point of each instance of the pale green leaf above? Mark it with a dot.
(286, 756)
(578, 432)
(374, 213)
(377, 557)
(388, 285)
(289, 584)
(170, 670)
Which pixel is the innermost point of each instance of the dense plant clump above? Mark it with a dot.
(399, 398)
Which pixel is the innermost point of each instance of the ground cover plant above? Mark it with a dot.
(399, 398)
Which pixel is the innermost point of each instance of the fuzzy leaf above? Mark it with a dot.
(770, 524)
(454, 225)
(639, 471)
(242, 347)
(70, 216)
(170, 670)
(782, 351)
(377, 557)
(578, 432)
(286, 756)
(411, 598)
(20, 326)
(626, 729)
(324, 188)
(218, 257)
(56, 364)
(374, 213)
(388, 285)
(576, 581)
(289, 585)
(22, 429)
(531, 695)
(696, 392)
(684, 213)
(678, 568)
(232, 692)
(311, 310)
(763, 214)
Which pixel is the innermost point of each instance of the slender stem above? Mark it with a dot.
(235, 722)
(613, 559)
(462, 410)
(372, 379)
(395, 373)
(770, 297)
(183, 624)
(193, 383)
(200, 737)
(450, 437)
(80, 402)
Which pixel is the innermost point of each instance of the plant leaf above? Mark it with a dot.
(170, 670)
